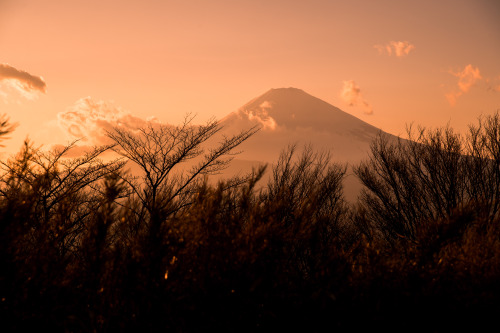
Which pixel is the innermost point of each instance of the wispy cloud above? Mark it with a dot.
(467, 78)
(397, 48)
(88, 120)
(351, 94)
(20, 81)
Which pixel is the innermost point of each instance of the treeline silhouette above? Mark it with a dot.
(87, 247)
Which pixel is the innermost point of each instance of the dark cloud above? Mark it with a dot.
(27, 82)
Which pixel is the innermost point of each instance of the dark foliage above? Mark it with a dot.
(85, 247)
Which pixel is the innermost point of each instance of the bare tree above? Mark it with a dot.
(161, 150)
(412, 180)
(483, 164)
(430, 176)
(311, 176)
(54, 190)
(305, 208)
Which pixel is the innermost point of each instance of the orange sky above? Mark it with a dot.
(386, 62)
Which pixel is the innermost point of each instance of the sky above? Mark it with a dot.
(71, 68)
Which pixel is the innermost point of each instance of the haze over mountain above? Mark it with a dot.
(291, 116)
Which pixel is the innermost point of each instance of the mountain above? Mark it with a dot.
(290, 115)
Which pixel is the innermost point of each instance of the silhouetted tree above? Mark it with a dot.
(429, 176)
(159, 151)
(482, 149)
(46, 202)
(86, 247)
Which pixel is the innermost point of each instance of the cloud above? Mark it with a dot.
(351, 94)
(261, 115)
(20, 81)
(467, 78)
(399, 48)
(88, 119)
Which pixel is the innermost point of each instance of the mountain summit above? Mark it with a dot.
(290, 115)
